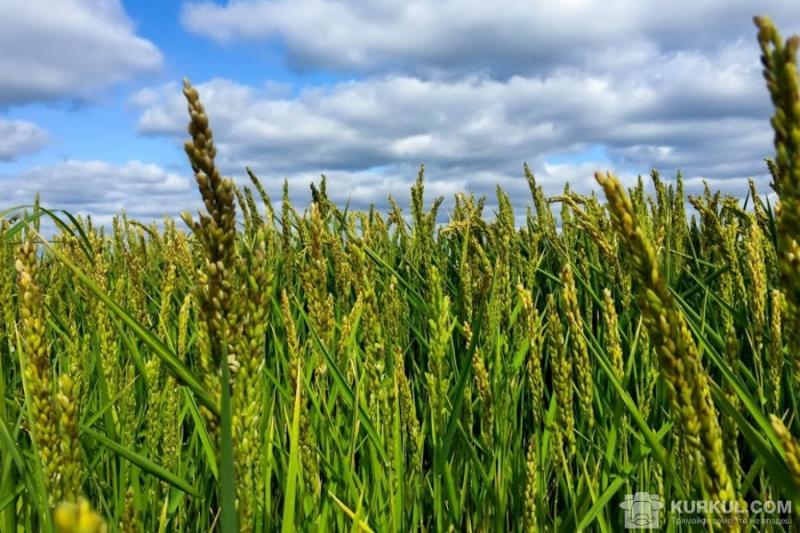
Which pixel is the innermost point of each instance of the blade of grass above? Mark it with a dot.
(290, 494)
(179, 370)
(141, 461)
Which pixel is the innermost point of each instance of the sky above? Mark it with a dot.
(92, 115)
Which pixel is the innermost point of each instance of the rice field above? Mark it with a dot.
(262, 367)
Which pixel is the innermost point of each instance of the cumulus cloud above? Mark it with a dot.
(103, 189)
(18, 137)
(472, 89)
(55, 49)
(704, 113)
(513, 36)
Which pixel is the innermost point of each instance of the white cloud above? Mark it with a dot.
(102, 189)
(55, 49)
(18, 137)
(704, 113)
(471, 88)
(512, 36)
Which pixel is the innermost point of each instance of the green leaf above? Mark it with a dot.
(290, 494)
(142, 462)
(179, 370)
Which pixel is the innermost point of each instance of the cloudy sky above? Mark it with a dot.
(91, 112)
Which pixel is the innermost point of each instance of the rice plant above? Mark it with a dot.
(262, 367)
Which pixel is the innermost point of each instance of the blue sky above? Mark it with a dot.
(91, 113)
